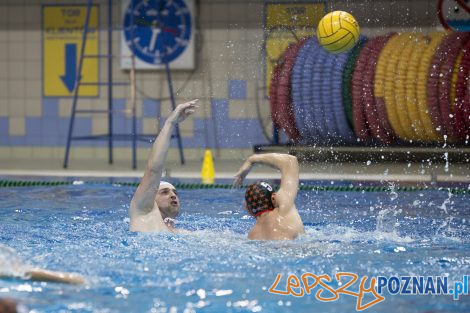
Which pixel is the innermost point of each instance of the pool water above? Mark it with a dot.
(84, 229)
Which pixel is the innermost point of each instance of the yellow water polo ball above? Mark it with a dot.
(338, 31)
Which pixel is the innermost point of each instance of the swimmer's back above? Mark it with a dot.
(273, 226)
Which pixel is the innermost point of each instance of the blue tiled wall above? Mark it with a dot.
(150, 108)
(219, 130)
(237, 89)
(4, 125)
(224, 132)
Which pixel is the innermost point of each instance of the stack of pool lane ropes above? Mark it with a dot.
(395, 88)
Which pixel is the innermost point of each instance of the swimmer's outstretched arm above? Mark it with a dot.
(142, 202)
(38, 274)
(59, 277)
(289, 167)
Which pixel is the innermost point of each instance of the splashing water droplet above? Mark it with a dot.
(446, 158)
(399, 249)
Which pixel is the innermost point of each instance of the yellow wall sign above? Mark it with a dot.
(285, 23)
(294, 14)
(62, 29)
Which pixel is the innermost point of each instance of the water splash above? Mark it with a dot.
(11, 263)
(447, 201)
(446, 158)
(384, 221)
(445, 229)
(393, 194)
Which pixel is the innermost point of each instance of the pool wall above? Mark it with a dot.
(227, 77)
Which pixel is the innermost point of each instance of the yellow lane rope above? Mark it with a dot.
(395, 47)
(418, 46)
(434, 41)
(403, 56)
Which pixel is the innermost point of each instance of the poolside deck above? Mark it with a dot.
(367, 169)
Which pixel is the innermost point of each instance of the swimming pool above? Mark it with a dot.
(84, 228)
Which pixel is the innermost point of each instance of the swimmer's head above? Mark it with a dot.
(258, 197)
(167, 200)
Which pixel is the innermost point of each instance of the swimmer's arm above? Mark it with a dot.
(289, 167)
(144, 197)
(38, 274)
(51, 276)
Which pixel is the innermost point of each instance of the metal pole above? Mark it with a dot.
(134, 110)
(275, 135)
(77, 82)
(110, 81)
(133, 93)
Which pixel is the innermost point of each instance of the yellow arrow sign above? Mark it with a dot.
(62, 40)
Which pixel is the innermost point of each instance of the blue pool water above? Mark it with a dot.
(84, 229)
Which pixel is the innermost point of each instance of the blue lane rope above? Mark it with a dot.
(345, 131)
(308, 102)
(298, 96)
(315, 94)
(327, 98)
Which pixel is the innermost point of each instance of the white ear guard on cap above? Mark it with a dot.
(267, 186)
(164, 184)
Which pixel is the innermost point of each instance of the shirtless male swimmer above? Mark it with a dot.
(276, 216)
(154, 206)
(155, 203)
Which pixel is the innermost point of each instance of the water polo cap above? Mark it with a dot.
(258, 198)
(164, 184)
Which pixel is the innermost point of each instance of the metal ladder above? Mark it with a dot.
(110, 136)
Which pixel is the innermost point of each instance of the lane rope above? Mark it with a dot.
(303, 187)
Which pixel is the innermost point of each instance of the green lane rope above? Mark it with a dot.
(453, 190)
(346, 83)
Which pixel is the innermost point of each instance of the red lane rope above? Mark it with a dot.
(461, 118)
(285, 110)
(445, 76)
(378, 126)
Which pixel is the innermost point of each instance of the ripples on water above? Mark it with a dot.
(84, 229)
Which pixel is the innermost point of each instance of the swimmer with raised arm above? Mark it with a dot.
(276, 216)
(155, 203)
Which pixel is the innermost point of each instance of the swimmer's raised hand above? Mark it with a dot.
(182, 111)
(242, 172)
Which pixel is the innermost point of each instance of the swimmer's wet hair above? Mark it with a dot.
(258, 198)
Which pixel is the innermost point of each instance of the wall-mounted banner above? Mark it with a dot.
(62, 29)
(157, 32)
